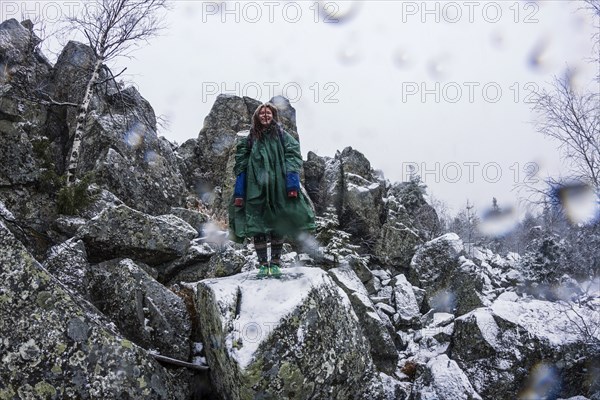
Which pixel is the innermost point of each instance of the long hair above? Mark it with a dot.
(256, 129)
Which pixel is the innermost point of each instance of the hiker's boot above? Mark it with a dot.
(263, 271)
(275, 270)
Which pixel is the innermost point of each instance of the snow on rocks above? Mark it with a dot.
(442, 379)
(297, 336)
(376, 331)
(406, 302)
(500, 346)
(347, 279)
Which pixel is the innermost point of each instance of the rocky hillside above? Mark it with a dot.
(128, 287)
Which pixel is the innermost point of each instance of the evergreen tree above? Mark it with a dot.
(335, 243)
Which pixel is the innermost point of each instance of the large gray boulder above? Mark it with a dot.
(501, 348)
(362, 200)
(297, 337)
(68, 263)
(453, 283)
(383, 349)
(204, 260)
(17, 163)
(145, 311)
(347, 184)
(124, 232)
(435, 259)
(22, 125)
(207, 162)
(398, 238)
(120, 144)
(139, 168)
(53, 346)
(406, 303)
(442, 379)
(24, 69)
(203, 161)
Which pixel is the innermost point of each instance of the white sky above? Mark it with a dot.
(369, 63)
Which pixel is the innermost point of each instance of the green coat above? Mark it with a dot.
(267, 209)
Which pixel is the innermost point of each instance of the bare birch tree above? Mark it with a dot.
(112, 28)
(571, 117)
(573, 120)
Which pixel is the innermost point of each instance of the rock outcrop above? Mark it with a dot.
(501, 348)
(53, 347)
(145, 311)
(138, 262)
(124, 232)
(297, 337)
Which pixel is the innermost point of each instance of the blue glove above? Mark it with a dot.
(240, 185)
(292, 184)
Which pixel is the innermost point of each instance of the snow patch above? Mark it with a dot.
(262, 305)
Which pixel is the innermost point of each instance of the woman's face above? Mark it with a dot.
(265, 116)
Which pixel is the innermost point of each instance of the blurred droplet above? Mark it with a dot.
(348, 55)
(497, 223)
(151, 158)
(573, 76)
(438, 67)
(214, 234)
(538, 57)
(568, 289)
(191, 8)
(543, 382)
(401, 59)
(135, 135)
(205, 192)
(497, 39)
(338, 12)
(580, 203)
(444, 301)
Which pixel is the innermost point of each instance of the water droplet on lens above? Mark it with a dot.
(135, 135)
(338, 12)
(497, 39)
(348, 55)
(401, 59)
(580, 203)
(538, 57)
(438, 67)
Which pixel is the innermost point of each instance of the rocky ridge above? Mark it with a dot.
(388, 308)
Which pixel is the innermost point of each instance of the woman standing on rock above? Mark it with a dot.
(267, 203)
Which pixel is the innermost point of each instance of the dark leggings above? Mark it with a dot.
(260, 244)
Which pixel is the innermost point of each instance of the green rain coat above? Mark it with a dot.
(267, 208)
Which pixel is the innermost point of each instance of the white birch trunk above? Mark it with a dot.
(80, 126)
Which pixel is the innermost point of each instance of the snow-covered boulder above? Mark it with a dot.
(145, 311)
(435, 259)
(347, 183)
(54, 346)
(454, 284)
(377, 332)
(442, 379)
(124, 232)
(500, 347)
(296, 337)
(406, 302)
(347, 279)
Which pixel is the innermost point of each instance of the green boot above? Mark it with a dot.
(275, 270)
(263, 271)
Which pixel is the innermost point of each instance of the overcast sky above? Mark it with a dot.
(442, 86)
